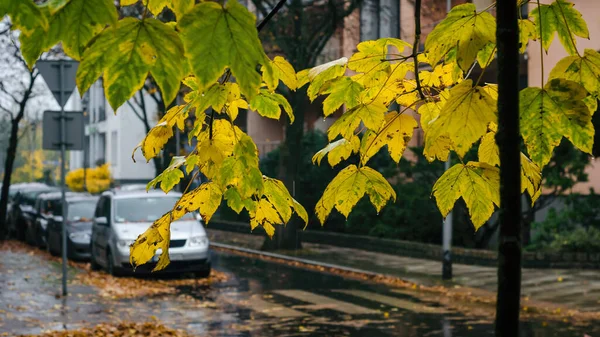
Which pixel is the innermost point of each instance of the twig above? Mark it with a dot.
(416, 46)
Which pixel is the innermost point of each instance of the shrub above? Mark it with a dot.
(97, 179)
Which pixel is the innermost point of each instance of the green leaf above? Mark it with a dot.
(395, 133)
(267, 105)
(136, 48)
(526, 32)
(463, 118)
(531, 178)
(342, 91)
(463, 29)
(25, 15)
(372, 115)
(319, 75)
(349, 186)
(562, 18)
(372, 55)
(170, 176)
(217, 37)
(477, 183)
(337, 151)
(241, 170)
(584, 70)
(488, 150)
(550, 113)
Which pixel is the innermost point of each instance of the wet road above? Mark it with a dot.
(259, 299)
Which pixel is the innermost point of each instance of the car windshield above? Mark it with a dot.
(81, 210)
(145, 209)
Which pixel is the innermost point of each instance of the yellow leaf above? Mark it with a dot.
(526, 33)
(477, 183)
(267, 105)
(337, 151)
(488, 150)
(395, 133)
(562, 18)
(278, 195)
(341, 91)
(170, 176)
(531, 178)
(128, 2)
(282, 70)
(265, 215)
(464, 117)
(349, 186)
(371, 114)
(179, 7)
(212, 152)
(584, 70)
(464, 29)
(372, 55)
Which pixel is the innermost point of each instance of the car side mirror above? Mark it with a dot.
(102, 221)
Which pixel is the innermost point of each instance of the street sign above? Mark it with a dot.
(51, 72)
(74, 134)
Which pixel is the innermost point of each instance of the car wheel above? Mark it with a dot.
(204, 273)
(110, 265)
(93, 264)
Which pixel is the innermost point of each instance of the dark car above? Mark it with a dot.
(13, 191)
(22, 209)
(45, 204)
(80, 212)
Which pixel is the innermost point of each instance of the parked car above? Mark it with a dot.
(43, 211)
(121, 216)
(22, 209)
(13, 191)
(80, 211)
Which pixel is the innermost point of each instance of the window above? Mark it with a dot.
(101, 149)
(145, 209)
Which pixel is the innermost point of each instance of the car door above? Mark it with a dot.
(100, 229)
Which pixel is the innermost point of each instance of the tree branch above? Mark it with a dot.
(416, 46)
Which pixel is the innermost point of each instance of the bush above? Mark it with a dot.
(576, 228)
(97, 179)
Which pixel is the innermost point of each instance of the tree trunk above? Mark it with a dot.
(508, 140)
(289, 160)
(8, 168)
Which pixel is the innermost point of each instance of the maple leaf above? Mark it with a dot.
(550, 113)
(138, 47)
(477, 183)
(213, 152)
(526, 32)
(396, 132)
(463, 118)
(170, 176)
(337, 151)
(371, 114)
(282, 71)
(267, 105)
(216, 37)
(241, 170)
(372, 55)
(488, 150)
(559, 17)
(584, 70)
(349, 186)
(24, 15)
(341, 91)
(179, 7)
(531, 178)
(463, 29)
(282, 201)
(265, 214)
(319, 75)
(160, 134)
(74, 23)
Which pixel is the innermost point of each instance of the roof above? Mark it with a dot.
(57, 195)
(84, 197)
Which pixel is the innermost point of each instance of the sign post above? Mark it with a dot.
(60, 78)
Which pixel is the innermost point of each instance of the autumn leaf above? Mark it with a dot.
(179, 7)
(319, 75)
(337, 151)
(531, 178)
(216, 37)
(396, 132)
(349, 186)
(170, 176)
(341, 91)
(527, 31)
(463, 118)
(559, 17)
(266, 216)
(371, 114)
(372, 55)
(550, 113)
(160, 134)
(477, 183)
(278, 195)
(282, 71)
(267, 104)
(138, 47)
(584, 70)
(25, 15)
(488, 150)
(463, 29)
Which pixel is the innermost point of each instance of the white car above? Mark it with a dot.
(121, 216)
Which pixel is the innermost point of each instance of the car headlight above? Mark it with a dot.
(125, 243)
(198, 241)
(79, 236)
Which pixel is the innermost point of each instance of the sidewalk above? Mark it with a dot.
(577, 289)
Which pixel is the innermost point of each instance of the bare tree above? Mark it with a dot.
(17, 89)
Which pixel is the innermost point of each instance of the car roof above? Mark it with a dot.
(79, 198)
(28, 186)
(119, 194)
(58, 194)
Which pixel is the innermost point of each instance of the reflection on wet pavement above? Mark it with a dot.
(259, 299)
